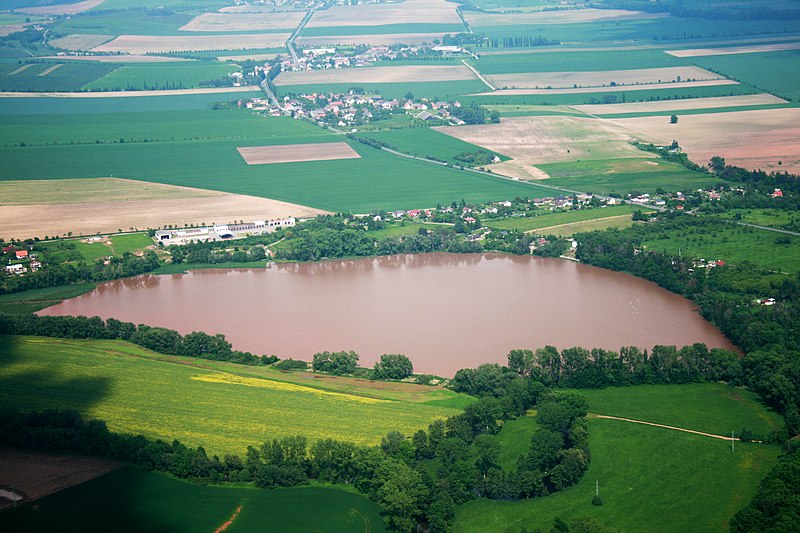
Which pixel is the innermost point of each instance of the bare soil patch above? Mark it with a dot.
(143, 44)
(641, 87)
(283, 20)
(750, 139)
(571, 16)
(537, 140)
(35, 474)
(678, 105)
(404, 74)
(409, 11)
(697, 52)
(104, 205)
(62, 9)
(370, 39)
(292, 153)
(542, 80)
(126, 58)
(81, 41)
(123, 94)
(48, 70)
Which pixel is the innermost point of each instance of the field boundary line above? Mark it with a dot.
(721, 437)
(478, 74)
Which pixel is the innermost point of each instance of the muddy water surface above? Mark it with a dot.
(445, 312)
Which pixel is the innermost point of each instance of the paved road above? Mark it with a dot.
(776, 230)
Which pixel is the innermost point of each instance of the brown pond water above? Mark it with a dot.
(444, 311)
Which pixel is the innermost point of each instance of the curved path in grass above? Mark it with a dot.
(722, 437)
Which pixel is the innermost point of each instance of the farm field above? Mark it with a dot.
(773, 218)
(696, 484)
(371, 39)
(683, 105)
(435, 90)
(763, 138)
(115, 245)
(556, 219)
(144, 44)
(598, 224)
(130, 499)
(625, 175)
(37, 299)
(232, 22)
(560, 79)
(156, 76)
(557, 17)
(408, 12)
(424, 142)
(367, 75)
(775, 72)
(63, 8)
(734, 244)
(293, 153)
(729, 50)
(44, 77)
(131, 390)
(105, 205)
(80, 41)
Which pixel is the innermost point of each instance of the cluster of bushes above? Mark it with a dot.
(390, 366)
(472, 159)
(202, 253)
(162, 340)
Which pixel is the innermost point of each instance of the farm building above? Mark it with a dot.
(222, 231)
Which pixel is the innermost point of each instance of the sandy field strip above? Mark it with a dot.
(143, 44)
(409, 11)
(542, 80)
(750, 139)
(282, 20)
(248, 57)
(402, 74)
(36, 474)
(81, 41)
(122, 58)
(48, 70)
(640, 87)
(371, 39)
(697, 52)
(123, 94)
(88, 206)
(62, 9)
(293, 153)
(530, 141)
(680, 105)
(572, 16)
(20, 69)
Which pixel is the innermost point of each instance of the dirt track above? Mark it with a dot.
(721, 437)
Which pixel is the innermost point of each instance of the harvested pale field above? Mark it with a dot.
(11, 28)
(542, 80)
(404, 74)
(81, 41)
(530, 141)
(248, 57)
(104, 205)
(376, 39)
(123, 94)
(48, 70)
(62, 9)
(283, 20)
(36, 474)
(123, 58)
(681, 105)
(698, 52)
(145, 44)
(579, 90)
(750, 139)
(20, 69)
(571, 16)
(293, 153)
(407, 12)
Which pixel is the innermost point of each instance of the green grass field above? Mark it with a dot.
(36, 299)
(547, 219)
(155, 76)
(773, 218)
(625, 175)
(424, 142)
(734, 244)
(436, 90)
(349, 34)
(776, 72)
(137, 391)
(129, 499)
(515, 440)
(128, 22)
(650, 479)
(406, 228)
(576, 61)
(599, 224)
(66, 76)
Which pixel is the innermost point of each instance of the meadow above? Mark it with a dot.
(556, 219)
(137, 391)
(598, 224)
(425, 142)
(622, 176)
(160, 76)
(775, 72)
(650, 479)
(773, 218)
(130, 499)
(37, 299)
(734, 244)
(65, 77)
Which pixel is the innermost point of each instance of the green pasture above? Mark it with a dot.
(425, 142)
(702, 111)
(432, 89)
(37, 299)
(618, 96)
(776, 72)
(732, 243)
(92, 251)
(598, 224)
(377, 180)
(130, 499)
(773, 218)
(515, 440)
(159, 76)
(576, 61)
(351, 33)
(650, 478)
(99, 105)
(509, 110)
(66, 77)
(135, 392)
(127, 22)
(547, 220)
(607, 176)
